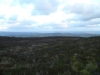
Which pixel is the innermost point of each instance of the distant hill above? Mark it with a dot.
(35, 34)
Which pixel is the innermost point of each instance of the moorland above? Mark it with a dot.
(49, 56)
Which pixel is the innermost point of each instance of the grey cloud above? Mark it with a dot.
(45, 7)
(54, 25)
(81, 17)
(80, 23)
(42, 7)
(13, 18)
(48, 25)
(76, 8)
(94, 21)
(77, 24)
(76, 17)
(11, 22)
(26, 1)
(82, 9)
(21, 25)
(27, 22)
(84, 12)
(2, 16)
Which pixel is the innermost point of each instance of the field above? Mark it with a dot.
(50, 56)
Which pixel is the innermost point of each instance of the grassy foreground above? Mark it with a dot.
(50, 56)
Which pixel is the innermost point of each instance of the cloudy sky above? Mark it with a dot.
(49, 15)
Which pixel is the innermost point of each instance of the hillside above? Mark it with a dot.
(50, 56)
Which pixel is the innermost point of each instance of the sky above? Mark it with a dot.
(49, 15)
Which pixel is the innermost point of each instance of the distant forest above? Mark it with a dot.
(50, 56)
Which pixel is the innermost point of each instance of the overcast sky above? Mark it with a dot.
(49, 15)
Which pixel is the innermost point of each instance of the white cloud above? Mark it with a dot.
(49, 14)
(3, 28)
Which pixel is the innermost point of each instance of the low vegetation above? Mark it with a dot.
(50, 56)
